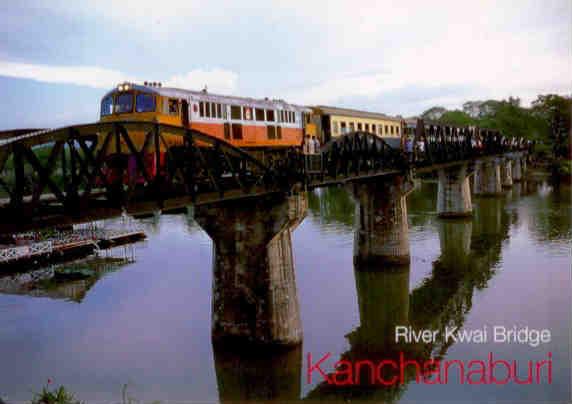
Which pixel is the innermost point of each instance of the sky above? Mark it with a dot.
(58, 58)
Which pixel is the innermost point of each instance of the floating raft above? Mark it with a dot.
(66, 247)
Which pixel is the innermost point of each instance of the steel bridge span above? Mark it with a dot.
(92, 171)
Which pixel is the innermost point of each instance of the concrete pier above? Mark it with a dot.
(487, 177)
(454, 192)
(506, 173)
(254, 288)
(381, 231)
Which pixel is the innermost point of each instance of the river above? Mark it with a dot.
(141, 327)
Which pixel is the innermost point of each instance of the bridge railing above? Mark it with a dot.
(121, 162)
(436, 144)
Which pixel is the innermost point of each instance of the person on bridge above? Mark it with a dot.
(409, 148)
(316, 145)
(306, 146)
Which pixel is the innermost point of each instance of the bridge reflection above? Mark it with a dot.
(70, 281)
(470, 252)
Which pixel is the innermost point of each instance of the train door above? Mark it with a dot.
(185, 114)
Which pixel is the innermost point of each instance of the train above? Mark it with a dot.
(249, 123)
(268, 129)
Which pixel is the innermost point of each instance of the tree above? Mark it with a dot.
(557, 111)
(456, 118)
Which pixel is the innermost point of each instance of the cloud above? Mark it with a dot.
(88, 76)
(366, 55)
(218, 80)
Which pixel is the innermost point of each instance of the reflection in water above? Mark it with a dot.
(70, 281)
(255, 374)
(150, 325)
(332, 205)
(469, 252)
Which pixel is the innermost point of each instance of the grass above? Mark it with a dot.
(54, 396)
(60, 395)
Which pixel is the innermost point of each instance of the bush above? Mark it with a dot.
(56, 396)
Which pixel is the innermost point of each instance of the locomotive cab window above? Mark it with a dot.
(144, 103)
(107, 106)
(259, 114)
(124, 103)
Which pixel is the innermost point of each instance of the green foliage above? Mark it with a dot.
(456, 118)
(56, 396)
(547, 122)
(556, 111)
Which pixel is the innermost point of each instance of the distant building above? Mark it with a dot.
(479, 109)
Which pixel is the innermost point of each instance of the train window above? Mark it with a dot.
(271, 132)
(292, 117)
(173, 106)
(144, 103)
(278, 132)
(107, 106)
(218, 111)
(202, 109)
(124, 103)
(224, 111)
(335, 127)
(247, 113)
(343, 127)
(259, 114)
(235, 112)
(270, 115)
(237, 130)
(208, 109)
(359, 126)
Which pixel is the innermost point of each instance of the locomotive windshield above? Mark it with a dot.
(144, 103)
(124, 103)
(107, 106)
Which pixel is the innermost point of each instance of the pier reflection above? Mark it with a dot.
(248, 373)
(470, 251)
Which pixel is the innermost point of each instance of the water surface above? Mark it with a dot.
(145, 321)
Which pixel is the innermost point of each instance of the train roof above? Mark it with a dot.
(327, 110)
(211, 97)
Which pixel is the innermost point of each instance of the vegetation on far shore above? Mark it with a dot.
(547, 121)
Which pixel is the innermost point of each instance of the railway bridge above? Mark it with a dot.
(82, 172)
(248, 205)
